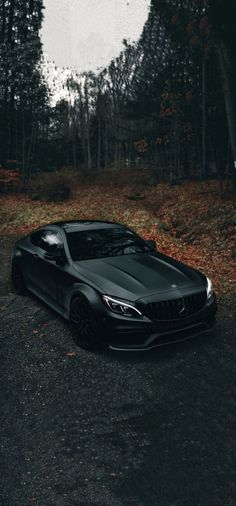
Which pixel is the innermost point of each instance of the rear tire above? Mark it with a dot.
(83, 325)
(18, 280)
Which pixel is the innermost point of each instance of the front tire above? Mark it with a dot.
(83, 325)
(18, 280)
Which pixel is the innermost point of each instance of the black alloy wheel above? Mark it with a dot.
(17, 279)
(83, 325)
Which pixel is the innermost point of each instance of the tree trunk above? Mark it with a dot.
(99, 145)
(29, 155)
(106, 156)
(203, 164)
(229, 97)
(3, 28)
(10, 24)
(88, 149)
(23, 148)
(74, 140)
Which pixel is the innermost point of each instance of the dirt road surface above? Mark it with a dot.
(113, 429)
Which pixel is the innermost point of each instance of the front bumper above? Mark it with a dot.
(142, 334)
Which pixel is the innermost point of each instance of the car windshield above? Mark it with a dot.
(102, 243)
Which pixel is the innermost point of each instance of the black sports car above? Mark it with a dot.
(114, 287)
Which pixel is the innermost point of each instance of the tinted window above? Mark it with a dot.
(48, 240)
(36, 238)
(104, 242)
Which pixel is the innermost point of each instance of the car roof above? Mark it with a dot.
(77, 225)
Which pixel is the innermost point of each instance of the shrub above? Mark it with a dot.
(9, 180)
(52, 187)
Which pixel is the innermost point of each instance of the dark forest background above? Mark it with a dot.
(167, 102)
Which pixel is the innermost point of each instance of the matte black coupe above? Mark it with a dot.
(114, 287)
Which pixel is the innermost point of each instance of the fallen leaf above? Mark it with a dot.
(70, 353)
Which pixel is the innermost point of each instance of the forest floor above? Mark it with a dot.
(189, 222)
(84, 425)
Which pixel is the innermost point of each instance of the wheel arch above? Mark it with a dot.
(88, 293)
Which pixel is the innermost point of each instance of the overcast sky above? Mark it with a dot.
(87, 34)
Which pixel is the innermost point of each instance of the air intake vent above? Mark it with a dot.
(176, 309)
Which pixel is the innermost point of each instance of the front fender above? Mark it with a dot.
(91, 295)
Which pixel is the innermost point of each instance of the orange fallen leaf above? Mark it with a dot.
(70, 353)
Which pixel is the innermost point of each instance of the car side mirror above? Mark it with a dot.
(152, 243)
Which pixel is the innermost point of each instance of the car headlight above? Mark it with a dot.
(120, 307)
(209, 288)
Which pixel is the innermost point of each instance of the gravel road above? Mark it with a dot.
(109, 428)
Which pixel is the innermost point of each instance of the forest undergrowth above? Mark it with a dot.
(189, 221)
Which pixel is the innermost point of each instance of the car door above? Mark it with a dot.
(32, 252)
(42, 271)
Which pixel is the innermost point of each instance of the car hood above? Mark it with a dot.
(137, 276)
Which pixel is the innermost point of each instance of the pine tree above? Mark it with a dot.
(22, 91)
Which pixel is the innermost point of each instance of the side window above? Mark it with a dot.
(48, 240)
(51, 240)
(36, 238)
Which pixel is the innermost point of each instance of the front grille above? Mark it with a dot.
(175, 309)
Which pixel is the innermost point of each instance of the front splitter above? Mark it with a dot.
(170, 339)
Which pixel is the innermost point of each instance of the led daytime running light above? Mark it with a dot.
(209, 288)
(123, 307)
